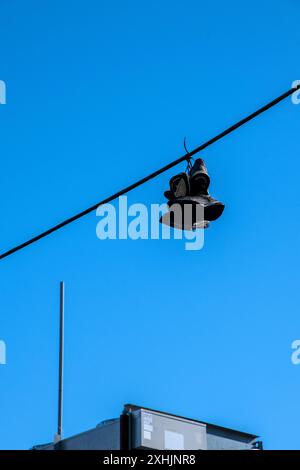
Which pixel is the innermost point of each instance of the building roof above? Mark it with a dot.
(215, 426)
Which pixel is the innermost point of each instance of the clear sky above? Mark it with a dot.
(99, 94)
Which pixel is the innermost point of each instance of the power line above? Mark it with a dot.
(156, 173)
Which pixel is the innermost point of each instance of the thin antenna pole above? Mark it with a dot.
(61, 362)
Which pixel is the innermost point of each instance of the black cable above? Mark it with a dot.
(187, 156)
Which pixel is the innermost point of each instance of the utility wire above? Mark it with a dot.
(156, 173)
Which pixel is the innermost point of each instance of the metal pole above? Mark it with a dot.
(61, 362)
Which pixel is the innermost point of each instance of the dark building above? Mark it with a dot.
(143, 428)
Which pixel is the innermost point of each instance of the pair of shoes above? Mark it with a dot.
(190, 205)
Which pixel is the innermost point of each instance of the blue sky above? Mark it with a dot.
(99, 94)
